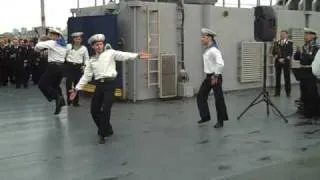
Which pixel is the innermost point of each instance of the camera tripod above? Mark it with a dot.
(264, 94)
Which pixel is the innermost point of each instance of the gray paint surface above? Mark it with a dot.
(153, 140)
(236, 27)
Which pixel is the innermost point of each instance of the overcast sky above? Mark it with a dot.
(26, 13)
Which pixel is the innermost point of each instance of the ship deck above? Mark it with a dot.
(154, 140)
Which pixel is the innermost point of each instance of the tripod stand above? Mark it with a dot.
(264, 94)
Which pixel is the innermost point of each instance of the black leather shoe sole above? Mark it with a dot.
(218, 125)
(102, 140)
(203, 121)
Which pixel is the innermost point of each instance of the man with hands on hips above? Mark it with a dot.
(213, 66)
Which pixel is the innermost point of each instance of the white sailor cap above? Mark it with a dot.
(77, 34)
(55, 31)
(96, 38)
(310, 31)
(206, 31)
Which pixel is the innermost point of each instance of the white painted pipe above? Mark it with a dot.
(43, 17)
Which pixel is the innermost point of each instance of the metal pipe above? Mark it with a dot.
(78, 4)
(104, 2)
(306, 19)
(95, 2)
(239, 3)
(206, 16)
(223, 3)
(258, 2)
(43, 17)
(135, 50)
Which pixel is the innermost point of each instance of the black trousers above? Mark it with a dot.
(49, 83)
(287, 81)
(309, 96)
(22, 77)
(202, 100)
(73, 74)
(36, 74)
(3, 75)
(101, 104)
(7, 74)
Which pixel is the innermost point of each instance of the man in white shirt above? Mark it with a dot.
(49, 83)
(76, 57)
(103, 67)
(213, 66)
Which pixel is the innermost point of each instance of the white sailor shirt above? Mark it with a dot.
(213, 62)
(104, 66)
(77, 56)
(315, 66)
(56, 53)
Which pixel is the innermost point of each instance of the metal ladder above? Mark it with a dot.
(179, 39)
(153, 47)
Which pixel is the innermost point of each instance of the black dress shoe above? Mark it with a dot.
(102, 140)
(203, 121)
(218, 125)
(109, 133)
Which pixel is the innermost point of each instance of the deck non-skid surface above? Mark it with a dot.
(154, 140)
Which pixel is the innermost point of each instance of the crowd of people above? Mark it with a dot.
(283, 52)
(19, 62)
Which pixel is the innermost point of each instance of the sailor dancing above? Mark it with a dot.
(49, 83)
(213, 66)
(76, 57)
(103, 67)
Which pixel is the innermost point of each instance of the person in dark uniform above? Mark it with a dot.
(21, 64)
(213, 66)
(76, 57)
(49, 83)
(5, 62)
(14, 53)
(34, 57)
(103, 67)
(308, 86)
(1, 59)
(282, 53)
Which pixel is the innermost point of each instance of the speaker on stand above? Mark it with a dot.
(265, 30)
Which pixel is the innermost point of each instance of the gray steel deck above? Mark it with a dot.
(153, 141)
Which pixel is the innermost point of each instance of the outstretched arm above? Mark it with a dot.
(124, 56)
(44, 45)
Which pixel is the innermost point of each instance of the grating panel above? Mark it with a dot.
(251, 55)
(297, 37)
(168, 72)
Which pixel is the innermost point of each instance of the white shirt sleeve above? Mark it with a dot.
(45, 45)
(124, 56)
(86, 77)
(219, 61)
(316, 65)
(86, 56)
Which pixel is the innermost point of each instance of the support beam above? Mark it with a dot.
(43, 17)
